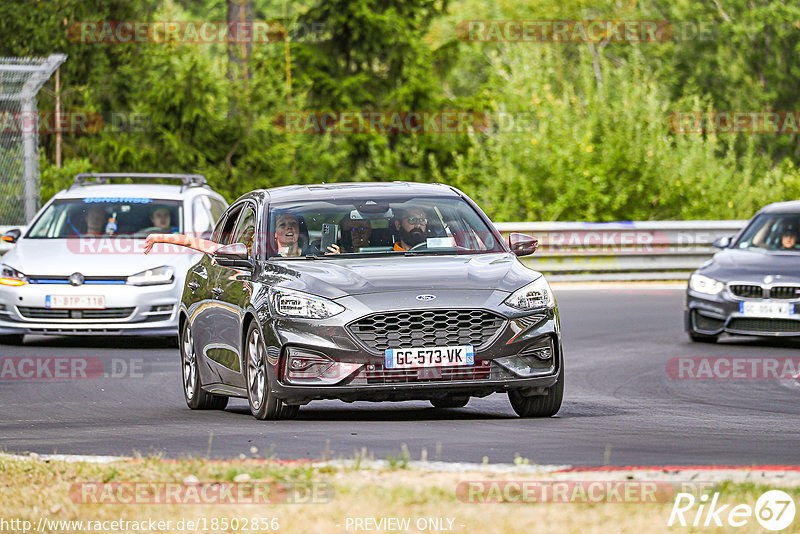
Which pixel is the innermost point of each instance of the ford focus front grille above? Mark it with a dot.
(427, 328)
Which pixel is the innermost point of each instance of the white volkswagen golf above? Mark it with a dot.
(79, 268)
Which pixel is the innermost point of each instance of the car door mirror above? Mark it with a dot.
(233, 255)
(12, 235)
(722, 242)
(522, 244)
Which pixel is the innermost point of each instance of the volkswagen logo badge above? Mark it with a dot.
(75, 279)
(426, 297)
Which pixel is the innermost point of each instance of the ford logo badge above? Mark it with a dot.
(426, 297)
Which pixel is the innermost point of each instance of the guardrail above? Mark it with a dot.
(636, 250)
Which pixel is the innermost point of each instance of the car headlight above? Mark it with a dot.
(535, 295)
(9, 276)
(152, 277)
(704, 284)
(287, 303)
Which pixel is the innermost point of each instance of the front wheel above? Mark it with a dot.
(12, 339)
(702, 338)
(545, 405)
(195, 397)
(450, 402)
(263, 404)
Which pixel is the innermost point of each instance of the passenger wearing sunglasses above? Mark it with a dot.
(412, 228)
(355, 234)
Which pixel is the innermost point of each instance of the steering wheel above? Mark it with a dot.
(419, 246)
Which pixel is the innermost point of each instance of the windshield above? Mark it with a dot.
(772, 231)
(107, 216)
(340, 228)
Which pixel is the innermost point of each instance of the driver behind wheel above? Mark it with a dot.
(412, 228)
(160, 219)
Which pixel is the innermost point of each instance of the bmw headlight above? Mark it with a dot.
(152, 277)
(288, 303)
(535, 295)
(704, 284)
(9, 276)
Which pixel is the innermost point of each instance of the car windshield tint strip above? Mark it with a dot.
(117, 200)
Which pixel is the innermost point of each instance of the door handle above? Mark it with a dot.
(217, 291)
(193, 286)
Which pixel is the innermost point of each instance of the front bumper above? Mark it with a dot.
(358, 371)
(129, 310)
(717, 314)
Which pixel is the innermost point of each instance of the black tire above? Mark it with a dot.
(546, 405)
(263, 404)
(289, 411)
(702, 338)
(450, 402)
(193, 394)
(12, 339)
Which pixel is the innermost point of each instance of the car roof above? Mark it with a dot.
(160, 191)
(791, 206)
(356, 191)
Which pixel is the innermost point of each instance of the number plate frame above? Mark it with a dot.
(75, 302)
(428, 357)
(763, 308)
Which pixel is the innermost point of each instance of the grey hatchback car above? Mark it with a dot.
(369, 291)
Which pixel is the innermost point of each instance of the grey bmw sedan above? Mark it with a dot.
(368, 291)
(751, 287)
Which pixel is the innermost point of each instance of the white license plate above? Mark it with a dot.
(461, 355)
(767, 309)
(97, 302)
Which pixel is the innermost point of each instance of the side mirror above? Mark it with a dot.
(522, 244)
(11, 236)
(722, 242)
(233, 255)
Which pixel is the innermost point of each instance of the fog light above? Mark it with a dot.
(161, 308)
(531, 361)
(307, 367)
(542, 354)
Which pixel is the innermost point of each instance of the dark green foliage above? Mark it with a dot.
(596, 145)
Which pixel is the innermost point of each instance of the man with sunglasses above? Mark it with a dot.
(412, 228)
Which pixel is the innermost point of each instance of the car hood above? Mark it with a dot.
(56, 257)
(341, 277)
(753, 265)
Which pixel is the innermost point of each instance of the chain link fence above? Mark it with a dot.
(20, 81)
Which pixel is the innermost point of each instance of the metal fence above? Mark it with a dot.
(636, 250)
(20, 81)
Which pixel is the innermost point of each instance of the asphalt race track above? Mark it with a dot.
(621, 406)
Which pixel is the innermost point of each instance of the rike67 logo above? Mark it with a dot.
(774, 510)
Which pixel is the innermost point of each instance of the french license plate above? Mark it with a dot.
(461, 355)
(767, 309)
(97, 302)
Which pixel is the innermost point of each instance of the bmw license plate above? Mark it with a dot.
(461, 355)
(96, 302)
(766, 309)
